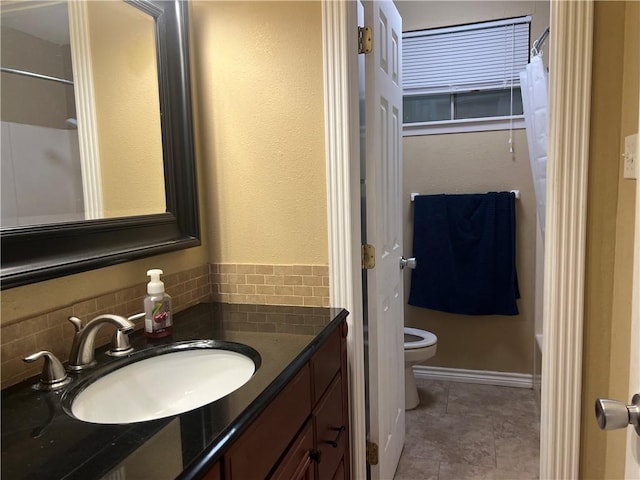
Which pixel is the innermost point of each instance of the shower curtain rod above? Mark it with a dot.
(35, 75)
(537, 44)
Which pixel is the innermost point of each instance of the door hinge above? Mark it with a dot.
(365, 40)
(368, 256)
(372, 453)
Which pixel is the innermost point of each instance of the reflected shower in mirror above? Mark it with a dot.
(81, 131)
(131, 86)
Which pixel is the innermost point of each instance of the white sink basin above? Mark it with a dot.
(168, 383)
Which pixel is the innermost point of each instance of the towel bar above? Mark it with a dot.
(415, 194)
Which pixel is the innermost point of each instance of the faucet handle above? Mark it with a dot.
(53, 374)
(120, 345)
(77, 323)
(137, 316)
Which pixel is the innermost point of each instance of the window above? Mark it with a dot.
(464, 78)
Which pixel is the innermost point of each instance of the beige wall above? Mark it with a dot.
(258, 68)
(622, 286)
(471, 163)
(125, 75)
(445, 13)
(610, 219)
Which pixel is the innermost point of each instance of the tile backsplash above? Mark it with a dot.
(52, 330)
(295, 285)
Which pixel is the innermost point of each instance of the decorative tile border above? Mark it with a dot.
(296, 285)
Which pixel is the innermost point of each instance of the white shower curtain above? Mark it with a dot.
(534, 84)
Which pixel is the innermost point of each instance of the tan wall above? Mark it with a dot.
(623, 280)
(445, 13)
(125, 76)
(258, 66)
(472, 163)
(610, 219)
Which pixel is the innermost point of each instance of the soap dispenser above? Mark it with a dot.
(157, 307)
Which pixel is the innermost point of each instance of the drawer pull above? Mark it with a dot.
(334, 443)
(315, 455)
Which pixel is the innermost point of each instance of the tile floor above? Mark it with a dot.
(468, 431)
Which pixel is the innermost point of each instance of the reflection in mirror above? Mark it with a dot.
(81, 133)
(124, 92)
(41, 177)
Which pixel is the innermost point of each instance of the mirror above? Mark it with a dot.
(97, 144)
(50, 66)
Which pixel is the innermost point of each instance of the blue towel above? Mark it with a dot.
(466, 251)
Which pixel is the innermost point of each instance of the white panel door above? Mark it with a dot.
(383, 177)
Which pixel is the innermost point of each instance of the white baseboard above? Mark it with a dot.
(484, 377)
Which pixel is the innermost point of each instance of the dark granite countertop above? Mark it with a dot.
(40, 441)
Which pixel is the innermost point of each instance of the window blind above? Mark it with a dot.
(481, 56)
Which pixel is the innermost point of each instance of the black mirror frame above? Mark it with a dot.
(34, 254)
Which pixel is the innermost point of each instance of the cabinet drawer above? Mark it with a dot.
(297, 464)
(261, 445)
(331, 430)
(325, 364)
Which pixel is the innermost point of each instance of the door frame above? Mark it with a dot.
(342, 145)
(568, 153)
(563, 308)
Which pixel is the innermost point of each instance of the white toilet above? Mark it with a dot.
(419, 345)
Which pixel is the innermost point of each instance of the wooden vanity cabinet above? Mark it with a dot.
(304, 432)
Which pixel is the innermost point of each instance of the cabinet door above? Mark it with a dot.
(256, 452)
(297, 463)
(332, 431)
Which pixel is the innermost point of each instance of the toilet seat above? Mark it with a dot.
(418, 338)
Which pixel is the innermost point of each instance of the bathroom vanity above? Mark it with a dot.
(289, 421)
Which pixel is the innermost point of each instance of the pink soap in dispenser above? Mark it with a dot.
(157, 307)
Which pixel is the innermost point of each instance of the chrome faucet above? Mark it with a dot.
(83, 348)
(53, 375)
